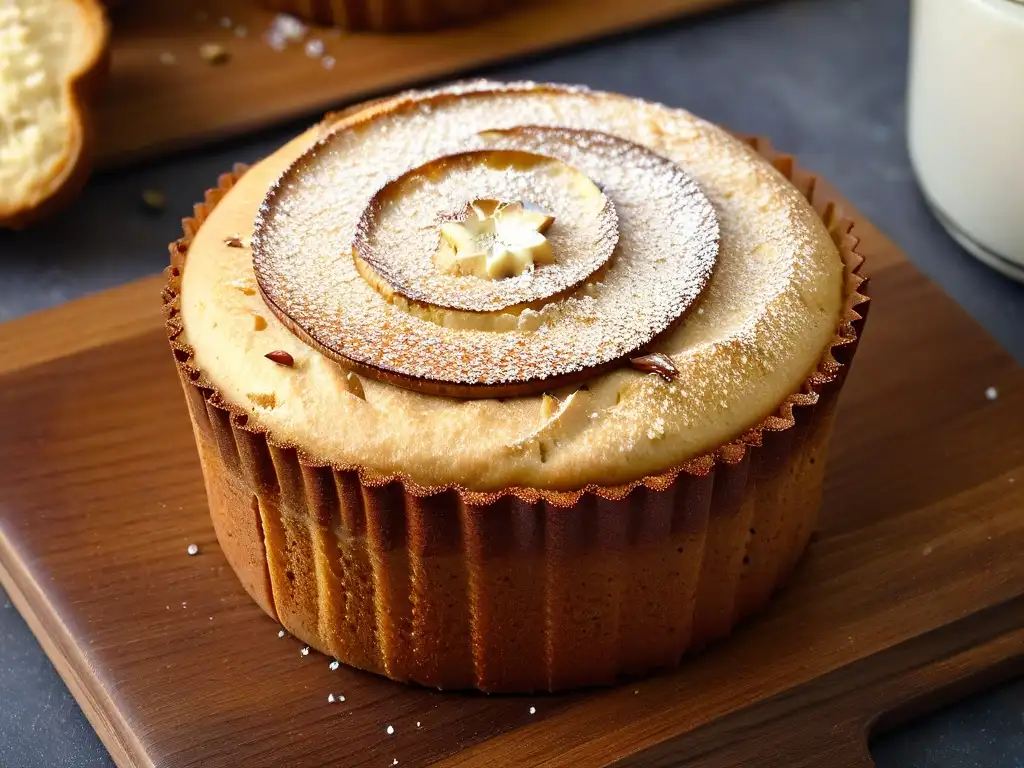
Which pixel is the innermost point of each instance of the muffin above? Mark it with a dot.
(388, 15)
(513, 387)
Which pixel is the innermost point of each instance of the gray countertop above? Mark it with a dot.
(824, 79)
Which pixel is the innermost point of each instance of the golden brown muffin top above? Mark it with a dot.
(743, 324)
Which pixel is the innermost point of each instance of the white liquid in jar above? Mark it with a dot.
(966, 122)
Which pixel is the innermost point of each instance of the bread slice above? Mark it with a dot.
(53, 53)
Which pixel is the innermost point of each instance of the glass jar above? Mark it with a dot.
(965, 122)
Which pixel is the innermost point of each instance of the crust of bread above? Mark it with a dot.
(80, 89)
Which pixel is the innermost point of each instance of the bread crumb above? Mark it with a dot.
(214, 53)
(154, 199)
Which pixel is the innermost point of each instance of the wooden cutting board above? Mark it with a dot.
(912, 595)
(150, 106)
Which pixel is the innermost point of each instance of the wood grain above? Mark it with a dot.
(150, 107)
(913, 593)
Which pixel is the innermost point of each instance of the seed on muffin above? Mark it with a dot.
(656, 363)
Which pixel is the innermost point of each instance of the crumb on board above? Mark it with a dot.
(314, 48)
(214, 53)
(154, 200)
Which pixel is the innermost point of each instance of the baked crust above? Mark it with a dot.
(80, 89)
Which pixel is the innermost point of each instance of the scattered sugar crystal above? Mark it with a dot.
(241, 31)
(305, 651)
(330, 698)
(533, 710)
(281, 633)
(334, 666)
(657, 429)
(314, 48)
(417, 723)
(193, 549)
(991, 393)
(327, 62)
(167, 58)
(290, 28)
(225, 22)
(391, 730)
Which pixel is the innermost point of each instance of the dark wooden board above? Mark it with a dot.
(912, 594)
(150, 107)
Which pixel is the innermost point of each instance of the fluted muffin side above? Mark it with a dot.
(513, 595)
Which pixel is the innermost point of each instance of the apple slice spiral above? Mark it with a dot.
(521, 260)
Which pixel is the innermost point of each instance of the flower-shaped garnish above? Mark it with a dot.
(495, 240)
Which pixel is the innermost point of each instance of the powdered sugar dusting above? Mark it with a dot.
(668, 239)
(398, 232)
